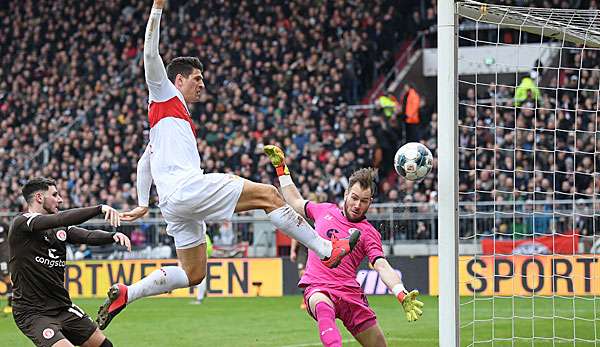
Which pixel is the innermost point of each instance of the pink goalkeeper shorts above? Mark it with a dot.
(351, 306)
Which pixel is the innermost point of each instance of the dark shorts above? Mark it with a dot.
(301, 257)
(47, 329)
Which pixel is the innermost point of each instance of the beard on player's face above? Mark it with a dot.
(48, 206)
(356, 203)
(354, 214)
(50, 203)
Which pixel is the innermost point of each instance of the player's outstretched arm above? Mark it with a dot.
(143, 185)
(79, 235)
(153, 64)
(412, 306)
(134, 214)
(288, 188)
(160, 4)
(144, 178)
(38, 222)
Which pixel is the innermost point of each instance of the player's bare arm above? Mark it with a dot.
(293, 246)
(412, 306)
(288, 189)
(134, 214)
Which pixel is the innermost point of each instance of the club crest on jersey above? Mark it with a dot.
(353, 230)
(331, 232)
(48, 333)
(61, 235)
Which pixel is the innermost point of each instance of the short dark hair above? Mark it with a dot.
(183, 66)
(366, 178)
(35, 185)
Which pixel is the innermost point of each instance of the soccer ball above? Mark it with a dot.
(413, 161)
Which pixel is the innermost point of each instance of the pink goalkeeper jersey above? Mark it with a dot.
(329, 219)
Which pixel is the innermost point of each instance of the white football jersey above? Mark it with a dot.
(174, 156)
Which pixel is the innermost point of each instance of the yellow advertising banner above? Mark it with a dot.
(523, 275)
(225, 277)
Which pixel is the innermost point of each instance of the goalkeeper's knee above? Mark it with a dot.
(106, 343)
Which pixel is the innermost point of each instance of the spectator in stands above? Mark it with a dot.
(88, 109)
(411, 102)
(72, 102)
(527, 91)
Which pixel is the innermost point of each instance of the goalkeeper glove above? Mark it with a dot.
(277, 158)
(412, 306)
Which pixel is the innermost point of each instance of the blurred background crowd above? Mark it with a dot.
(73, 101)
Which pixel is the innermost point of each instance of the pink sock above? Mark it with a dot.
(328, 331)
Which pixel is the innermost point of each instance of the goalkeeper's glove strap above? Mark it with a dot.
(402, 295)
(399, 291)
(282, 170)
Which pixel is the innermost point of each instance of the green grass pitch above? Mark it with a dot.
(227, 322)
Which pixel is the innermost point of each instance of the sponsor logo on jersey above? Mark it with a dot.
(48, 333)
(51, 253)
(61, 235)
(50, 263)
(328, 217)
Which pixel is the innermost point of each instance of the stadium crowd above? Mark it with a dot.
(73, 101)
(274, 73)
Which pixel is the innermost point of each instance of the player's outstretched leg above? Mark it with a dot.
(323, 310)
(113, 305)
(158, 282)
(201, 292)
(328, 331)
(267, 198)
(340, 248)
(163, 280)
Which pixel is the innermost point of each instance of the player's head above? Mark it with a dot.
(41, 192)
(186, 75)
(359, 194)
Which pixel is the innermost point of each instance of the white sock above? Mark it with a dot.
(159, 281)
(291, 223)
(201, 290)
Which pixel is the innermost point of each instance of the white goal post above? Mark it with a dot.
(447, 105)
(518, 180)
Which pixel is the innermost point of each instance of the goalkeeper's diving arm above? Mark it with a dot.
(290, 193)
(292, 196)
(412, 306)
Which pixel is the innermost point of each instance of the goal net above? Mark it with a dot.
(529, 211)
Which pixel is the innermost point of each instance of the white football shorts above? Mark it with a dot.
(209, 197)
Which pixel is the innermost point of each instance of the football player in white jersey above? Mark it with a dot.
(187, 196)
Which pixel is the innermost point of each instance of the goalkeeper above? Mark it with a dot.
(335, 293)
